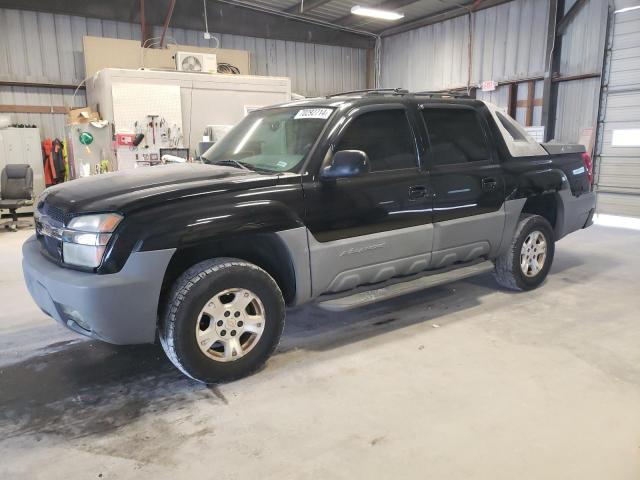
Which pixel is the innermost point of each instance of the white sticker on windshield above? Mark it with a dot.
(322, 113)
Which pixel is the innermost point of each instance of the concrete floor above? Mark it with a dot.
(462, 381)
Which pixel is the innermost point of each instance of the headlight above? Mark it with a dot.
(85, 239)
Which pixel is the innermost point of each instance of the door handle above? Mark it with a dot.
(417, 191)
(489, 184)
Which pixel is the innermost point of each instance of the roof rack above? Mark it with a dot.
(402, 91)
(372, 91)
(443, 94)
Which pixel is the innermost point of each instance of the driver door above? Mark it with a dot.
(376, 226)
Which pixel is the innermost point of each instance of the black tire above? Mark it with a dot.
(188, 297)
(508, 272)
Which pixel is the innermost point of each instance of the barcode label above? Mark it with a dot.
(322, 113)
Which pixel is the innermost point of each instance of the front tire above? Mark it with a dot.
(223, 320)
(526, 263)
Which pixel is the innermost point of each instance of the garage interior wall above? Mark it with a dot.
(42, 47)
(582, 53)
(435, 57)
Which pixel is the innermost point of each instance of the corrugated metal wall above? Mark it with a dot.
(508, 44)
(47, 48)
(577, 108)
(582, 53)
(429, 58)
(509, 41)
(51, 125)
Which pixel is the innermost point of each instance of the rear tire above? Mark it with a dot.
(526, 263)
(223, 320)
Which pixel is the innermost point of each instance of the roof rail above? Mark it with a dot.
(394, 91)
(443, 94)
(402, 91)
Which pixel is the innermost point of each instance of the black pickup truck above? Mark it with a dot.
(317, 199)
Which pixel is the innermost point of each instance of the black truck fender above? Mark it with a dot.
(543, 192)
(266, 233)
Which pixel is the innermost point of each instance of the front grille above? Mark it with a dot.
(52, 212)
(50, 219)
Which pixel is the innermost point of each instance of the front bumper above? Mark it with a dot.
(120, 308)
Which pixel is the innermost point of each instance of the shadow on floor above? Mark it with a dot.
(89, 388)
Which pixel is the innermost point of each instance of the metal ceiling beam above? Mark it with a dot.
(143, 24)
(224, 17)
(350, 20)
(167, 20)
(304, 7)
(441, 17)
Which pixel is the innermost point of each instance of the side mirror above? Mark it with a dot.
(347, 163)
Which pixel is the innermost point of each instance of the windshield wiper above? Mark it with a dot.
(235, 163)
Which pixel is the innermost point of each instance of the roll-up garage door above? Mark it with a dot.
(618, 162)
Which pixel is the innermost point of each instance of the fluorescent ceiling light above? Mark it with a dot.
(376, 13)
(627, 9)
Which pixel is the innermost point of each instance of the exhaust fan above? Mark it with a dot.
(196, 62)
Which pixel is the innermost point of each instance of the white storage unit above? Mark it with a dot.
(618, 160)
(188, 101)
(22, 145)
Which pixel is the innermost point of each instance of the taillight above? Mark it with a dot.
(588, 165)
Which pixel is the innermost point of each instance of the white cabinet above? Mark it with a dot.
(203, 100)
(22, 145)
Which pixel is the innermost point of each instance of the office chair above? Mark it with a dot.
(16, 190)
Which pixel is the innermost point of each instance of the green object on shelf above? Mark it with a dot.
(86, 138)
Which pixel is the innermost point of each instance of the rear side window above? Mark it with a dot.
(455, 135)
(385, 137)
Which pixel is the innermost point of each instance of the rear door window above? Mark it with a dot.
(456, 136)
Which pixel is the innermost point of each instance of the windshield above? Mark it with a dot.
(275, 140)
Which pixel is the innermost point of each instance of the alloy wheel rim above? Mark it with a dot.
(230, 324)
(533, 254)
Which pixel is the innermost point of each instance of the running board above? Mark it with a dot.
(346, 301)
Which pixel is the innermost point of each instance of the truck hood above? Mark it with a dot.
(129, 190)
